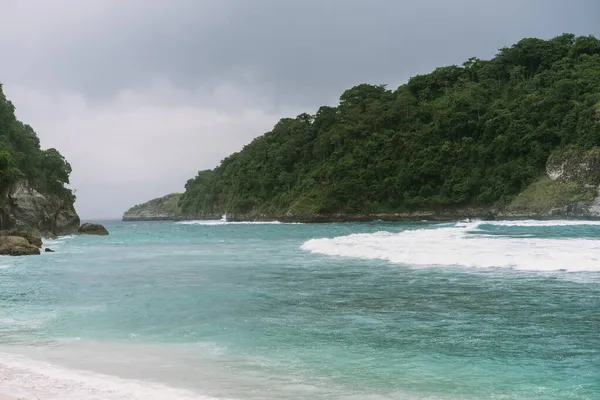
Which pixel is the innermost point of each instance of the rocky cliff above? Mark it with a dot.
(24, 208)
(570, 188)
(33, 184)
(162, 208)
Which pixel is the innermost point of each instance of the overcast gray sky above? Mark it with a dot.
(140, 94)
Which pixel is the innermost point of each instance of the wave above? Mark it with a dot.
(57, 242)
(466, 244)
(541, 223)
(36, 379)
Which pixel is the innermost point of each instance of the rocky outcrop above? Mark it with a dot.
(27, 214)
(93, 229)
(25, 208)
(13, 244)
(575, 166)
(160, 209)
(570, 189)
(33, 236)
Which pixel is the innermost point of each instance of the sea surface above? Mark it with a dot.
(375, 311)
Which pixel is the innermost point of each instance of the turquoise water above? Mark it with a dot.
(163, 310)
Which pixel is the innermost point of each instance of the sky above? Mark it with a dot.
(139, 95)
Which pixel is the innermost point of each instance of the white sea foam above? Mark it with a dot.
(224, 221)
(535, 223)
(465, 244)
(56, 243)
(21, 376)
(221, 222)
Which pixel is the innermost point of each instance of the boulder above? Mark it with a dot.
(93, 229)
(33, 235)
(17, 246)
(48, 250)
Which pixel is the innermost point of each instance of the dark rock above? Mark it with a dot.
(93, 229)
(48, 250)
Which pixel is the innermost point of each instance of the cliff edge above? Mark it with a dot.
(34, 193)
(570, 188)
(25, 207)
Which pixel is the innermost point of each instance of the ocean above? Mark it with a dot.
(375, 311)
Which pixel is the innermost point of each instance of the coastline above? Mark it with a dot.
(416, 216)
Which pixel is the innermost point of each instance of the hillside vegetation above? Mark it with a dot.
(22, 159)
(471, 135)
(166, 207)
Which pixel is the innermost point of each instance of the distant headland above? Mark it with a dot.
(516, 136)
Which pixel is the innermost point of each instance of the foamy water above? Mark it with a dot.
(466, 244)
(224, 221)
(57, 243)
(538, 223)
(221, 222)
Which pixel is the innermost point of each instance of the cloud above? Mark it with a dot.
(138, 145)
(139, 95)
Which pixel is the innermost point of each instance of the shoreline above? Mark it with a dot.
(444, 216)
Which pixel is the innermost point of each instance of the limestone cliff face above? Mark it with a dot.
(24, 207)
(572, 166)
(571, 188)
(162, 208)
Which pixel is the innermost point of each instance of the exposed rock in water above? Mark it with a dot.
(93, 229)
(48, 250)
(162, 208)
(26, 208)
(33, 235)
(17, 246)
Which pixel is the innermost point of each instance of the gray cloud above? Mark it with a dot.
(138, 95)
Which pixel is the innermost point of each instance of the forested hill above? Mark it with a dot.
(470, 135)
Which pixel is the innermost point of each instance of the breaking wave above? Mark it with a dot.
(470, 244)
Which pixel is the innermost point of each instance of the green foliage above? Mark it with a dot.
(476, 134)
(22, 158)
(166, 205)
